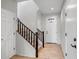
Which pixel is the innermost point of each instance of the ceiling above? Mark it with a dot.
(21, 0)
(49, 6)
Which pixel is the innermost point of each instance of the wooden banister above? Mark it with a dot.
(41, 36)
(28, 35)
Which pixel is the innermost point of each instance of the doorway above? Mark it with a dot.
(51, 30)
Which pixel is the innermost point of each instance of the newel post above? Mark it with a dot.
(36, 44)
(43, 39)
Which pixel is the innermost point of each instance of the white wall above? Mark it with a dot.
(10, 5)
(27, 13)
(44, 23)
(8, 29)
(23, 47)
(39, 20)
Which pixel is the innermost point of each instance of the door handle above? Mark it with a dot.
(73, 45)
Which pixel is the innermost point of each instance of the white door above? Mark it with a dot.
(3, 37)
(51, 30)
(71, 32)
(7, 34)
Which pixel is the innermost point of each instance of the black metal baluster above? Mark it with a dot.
(26, 34)
(22, 29)
(31, 37)
(33, 40)
(18, 26)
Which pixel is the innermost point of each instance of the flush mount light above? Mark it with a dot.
(52, 8)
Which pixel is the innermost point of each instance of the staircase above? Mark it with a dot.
(32, 38)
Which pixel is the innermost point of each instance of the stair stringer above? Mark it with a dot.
(23, 48)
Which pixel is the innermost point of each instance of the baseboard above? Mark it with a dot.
(50, 43)
(23, 57)
(62, 51)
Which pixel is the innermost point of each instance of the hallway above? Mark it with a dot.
(51, 51)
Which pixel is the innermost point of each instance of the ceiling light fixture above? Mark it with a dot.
(52, 8)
